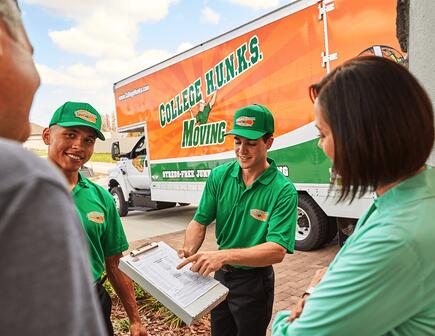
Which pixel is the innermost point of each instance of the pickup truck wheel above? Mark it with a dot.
(312, 224)
(120, 202)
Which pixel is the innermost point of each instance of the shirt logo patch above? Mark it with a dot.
(96, 217)
(245, 121)
(86, 115)
(259, 214)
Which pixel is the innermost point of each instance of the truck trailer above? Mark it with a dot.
(184, 105)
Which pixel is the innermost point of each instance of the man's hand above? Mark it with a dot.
(137, 329)
(184, 253)
(205, 262)
(193, 238)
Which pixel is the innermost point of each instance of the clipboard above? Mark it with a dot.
(187, 313)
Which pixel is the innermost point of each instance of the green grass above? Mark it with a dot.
(153, 307)
(147, 305)
(39, 152)
(102, 157)
(96, 157)
(122, 325)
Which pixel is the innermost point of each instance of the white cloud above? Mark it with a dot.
(48, 99)
(184, 46)
(93, 84)
(104, 73)
(77, 82)
(208, 15)
(256, 4)
(95, 37)
(117, 69)
(108, 29)
(141, 10)
(76, 76)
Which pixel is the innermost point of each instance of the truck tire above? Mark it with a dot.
(312, 224)
(120, 202)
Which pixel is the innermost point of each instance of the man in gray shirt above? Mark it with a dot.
(45, 283)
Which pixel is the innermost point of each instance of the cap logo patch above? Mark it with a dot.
(96, 217)
(245, 121)
(86, 115)
(259, 214)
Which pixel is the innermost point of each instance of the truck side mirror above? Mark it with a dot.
(116, 151)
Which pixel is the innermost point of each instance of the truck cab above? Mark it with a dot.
(130, 180)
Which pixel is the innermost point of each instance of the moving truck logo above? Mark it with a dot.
(196, 130)
(86, 115)
(96, 217)
(259, 214)
(245, 121)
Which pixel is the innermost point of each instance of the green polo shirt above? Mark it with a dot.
(266, 211)
(101, 223)
(382, 282)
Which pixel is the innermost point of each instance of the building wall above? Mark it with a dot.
(126, 144)
(422, 48)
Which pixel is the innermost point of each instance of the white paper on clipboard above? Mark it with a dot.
(187, 294)
(183, 286)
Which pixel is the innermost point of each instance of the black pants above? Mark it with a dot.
(106, 305)
(247, 309)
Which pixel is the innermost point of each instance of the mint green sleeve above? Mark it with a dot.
(371, 289)
(206, 212)
(280, 325)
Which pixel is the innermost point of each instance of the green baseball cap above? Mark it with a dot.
(252, 122)
(78, 114)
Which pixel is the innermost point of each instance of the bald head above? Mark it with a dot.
(10, 15)
(18, 76)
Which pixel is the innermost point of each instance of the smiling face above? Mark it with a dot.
(326, 140)
(69, 147)
(251, 154)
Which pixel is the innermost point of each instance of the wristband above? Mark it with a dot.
(308, 291)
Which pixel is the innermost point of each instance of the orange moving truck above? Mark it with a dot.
(185, 105)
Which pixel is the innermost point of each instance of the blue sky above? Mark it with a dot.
(82, 47)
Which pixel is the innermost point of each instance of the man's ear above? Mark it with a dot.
(2, 35)
(46, 136)
(269, 142)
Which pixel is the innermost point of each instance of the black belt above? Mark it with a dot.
(232, 269)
